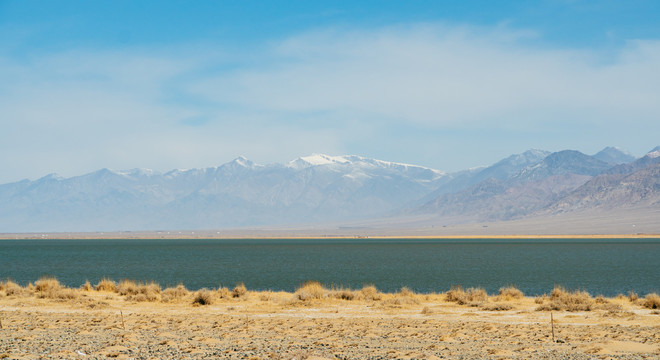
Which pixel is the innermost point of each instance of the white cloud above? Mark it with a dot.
(417, 93)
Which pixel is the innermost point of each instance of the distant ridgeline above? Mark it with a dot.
(321, 189)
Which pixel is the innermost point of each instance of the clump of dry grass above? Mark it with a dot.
(11, 288)
(509, 293)
(311, 290)
(405, 296)
(342, 293)
(139, 291)
(498, 306)
(203, 297)
(369, 293)
(127, 287)
(224, 293)
(651, 301)
(50, 288)
(239, 291)
(86, 286)
(562, 299)
(106, 285)
(632, 296)
(175, 293)
(541, 299)
(471, 296)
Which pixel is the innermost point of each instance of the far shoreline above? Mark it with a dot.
(294, 235)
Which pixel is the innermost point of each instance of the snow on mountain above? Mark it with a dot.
(237, 193)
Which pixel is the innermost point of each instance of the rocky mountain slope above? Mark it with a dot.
(322, 189)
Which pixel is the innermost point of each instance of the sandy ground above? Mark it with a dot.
(98, 325)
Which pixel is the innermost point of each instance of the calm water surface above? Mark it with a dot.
(605, 267)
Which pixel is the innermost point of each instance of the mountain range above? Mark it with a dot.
(322, 189)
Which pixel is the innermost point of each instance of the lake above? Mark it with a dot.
(606, 267)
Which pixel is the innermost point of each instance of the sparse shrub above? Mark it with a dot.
(310, 290)
(344, 294)
(600, 299)
(405, 296)
(632, 296)
(471, 296)
(47, 284)
(510, 293)
(266, 296)
(239, 291)
(86, 286)
(427, 311)
(64, 294)
(370, 293)
(203, 297)
(652, 301)
(138, 291)
(499, 306)
(11, 288)
(127, 287)
(224, 293)
(540, 299)
(50, 288)
(106, 285)
(562, 299)
(175, 293)
(405, 291)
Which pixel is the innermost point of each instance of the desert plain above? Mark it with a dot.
(131, 320)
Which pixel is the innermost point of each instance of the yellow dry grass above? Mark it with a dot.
(652, 301)
(562, 299)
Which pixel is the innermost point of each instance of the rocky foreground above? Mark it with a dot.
(140, 321)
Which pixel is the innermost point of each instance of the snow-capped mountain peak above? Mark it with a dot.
(316, 160)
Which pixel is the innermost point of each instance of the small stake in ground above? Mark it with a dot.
(122, 320)
(552, 323)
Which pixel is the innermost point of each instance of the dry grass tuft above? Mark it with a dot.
(405, 296)
(499, 306)
(311, 290)
(50, 288)
(471, 296)
(369, 293)
(138, 291)
(562, 299)
(11, 288)
(224, 293)
(106, 285)
(203, 297)
(127, 287)
(47, 284)
(239, 291)
(632, 296)
(172, 294)
(652, 301)
(509, 293)
(343, 294)
(86, 286)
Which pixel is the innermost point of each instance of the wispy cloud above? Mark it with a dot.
(417, 93)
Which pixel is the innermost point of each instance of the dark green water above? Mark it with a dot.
(605, 267)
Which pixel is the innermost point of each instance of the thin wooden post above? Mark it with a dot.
(552, 323)
(122, 319)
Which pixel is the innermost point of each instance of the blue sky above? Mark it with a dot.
(449, 85)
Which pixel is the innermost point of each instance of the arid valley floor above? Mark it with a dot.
(141, 321)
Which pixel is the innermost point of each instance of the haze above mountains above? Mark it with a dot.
(337, 192)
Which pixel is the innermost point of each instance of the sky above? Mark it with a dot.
(449, 85)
